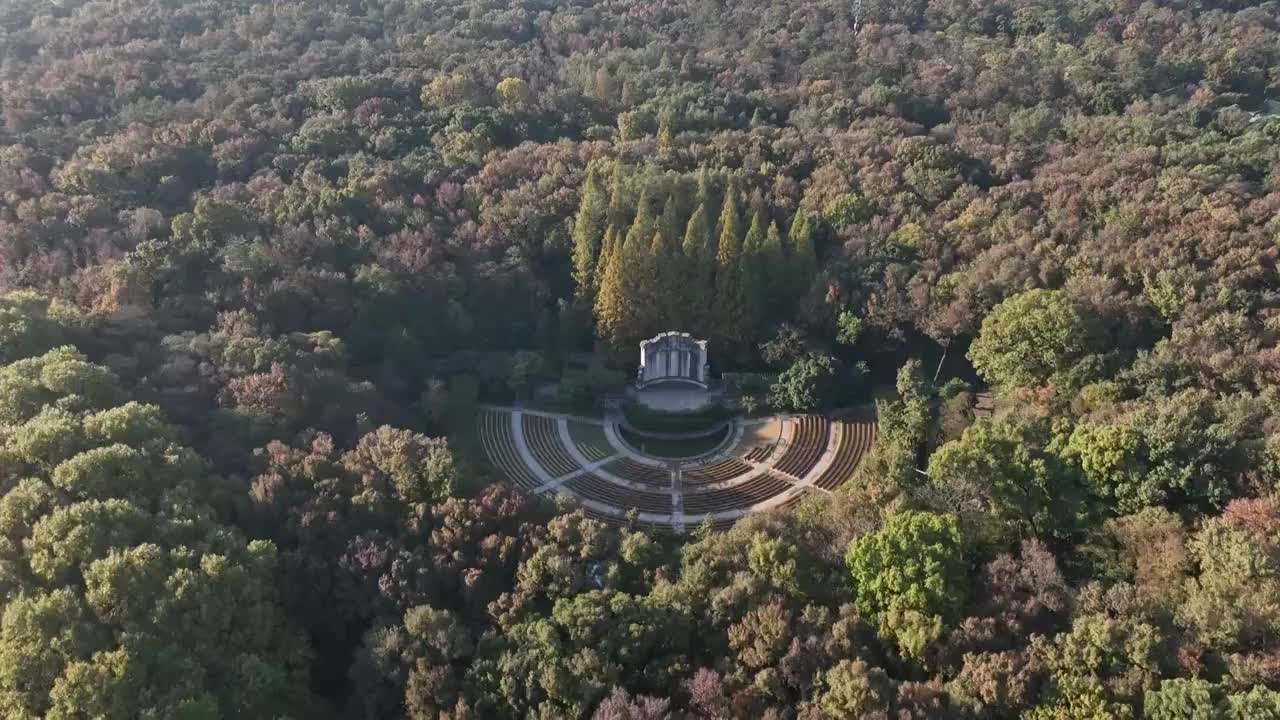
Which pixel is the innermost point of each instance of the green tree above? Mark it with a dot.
(1112, 460)
(848, 328)
(1184, 450)
(906, 430)
(419, 469)
(126, 597)
(1231, 605)
(1031, 337)
(30, 324)
(910, 577)
(853, 690)
(1182, 699)
(1002, 476)
(810, 383)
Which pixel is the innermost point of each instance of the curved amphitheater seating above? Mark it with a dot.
(495, 435)
(806, 447)
(629, 469)
(726, 469)
(856, 438)
(591, 441)
(590, 486)
(796, 499)
(544, 443)
(726, 489)
(761, 487)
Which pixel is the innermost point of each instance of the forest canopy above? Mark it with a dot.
(261, 263)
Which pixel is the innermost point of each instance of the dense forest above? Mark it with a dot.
(261, 261)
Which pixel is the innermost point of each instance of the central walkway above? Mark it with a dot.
(764, 464)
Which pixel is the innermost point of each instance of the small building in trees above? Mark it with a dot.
(673, 357)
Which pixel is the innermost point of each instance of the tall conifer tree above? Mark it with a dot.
(616, 306)
(588, 232)
(696, 275)
(728, 299)
(608, 246)
(669, 226)
(644, 223)
(617, 198)
(804, 260)
(666, 137)
(754, 299)
(660, 284)
(774, 260)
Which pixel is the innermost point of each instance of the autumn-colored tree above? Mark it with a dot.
(666, 141)
(1031, 337)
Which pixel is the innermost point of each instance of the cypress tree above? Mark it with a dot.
(608, 246)
(697, 235)
(728, 300)
(729, 229)
(696, 273)
(754, 240)
(615, 301)
(704, 186)
(804, 261)
(669, 226)
(666, 139)
(588, 232)
(659, 285)
(774, 260)
(644, 224)
(754, 294)
(706, 193)
(617, 200)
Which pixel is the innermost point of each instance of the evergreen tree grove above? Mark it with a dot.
(723, 278)
(615, 308)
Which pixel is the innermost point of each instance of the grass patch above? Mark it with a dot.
(674, 449)
(648, 420)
